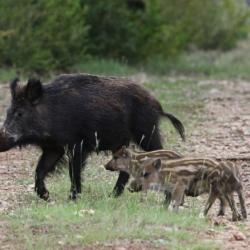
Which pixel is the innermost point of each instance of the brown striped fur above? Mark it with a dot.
(128, 161)
(220, 179)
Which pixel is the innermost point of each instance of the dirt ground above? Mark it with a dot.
(223, 131)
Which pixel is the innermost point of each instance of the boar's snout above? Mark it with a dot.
(6, 142)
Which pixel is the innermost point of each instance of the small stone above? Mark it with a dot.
(237, 235)
(121, 248)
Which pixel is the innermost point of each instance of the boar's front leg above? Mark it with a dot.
(76, 163)
(46, 164)
(121, 183)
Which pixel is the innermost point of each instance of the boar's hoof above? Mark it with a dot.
(42, 193)
(221, 213)
(73, 196)
(244, 214)
(236, 217)
(115, 194)
(44, 196)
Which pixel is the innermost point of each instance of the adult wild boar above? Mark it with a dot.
(78, 114)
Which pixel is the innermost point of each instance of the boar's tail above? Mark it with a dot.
(176, 123)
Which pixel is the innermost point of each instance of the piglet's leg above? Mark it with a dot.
(242, 203)
(211, 199)
(177, 196)
(236, 215)
(222, 206)
(144, 192)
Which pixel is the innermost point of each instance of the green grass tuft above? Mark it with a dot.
(102, 66)
(234, 63)
(97, 218)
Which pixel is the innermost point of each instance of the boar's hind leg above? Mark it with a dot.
(46, 164)
(77, 161)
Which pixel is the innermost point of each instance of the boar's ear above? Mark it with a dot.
(34, 90)
(157, 164)
(13, 87)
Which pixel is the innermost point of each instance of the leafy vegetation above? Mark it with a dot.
(42, 36)
(234, 63)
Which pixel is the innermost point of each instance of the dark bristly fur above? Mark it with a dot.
(84, 113)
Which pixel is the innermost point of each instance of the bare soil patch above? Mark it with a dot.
(223, 131)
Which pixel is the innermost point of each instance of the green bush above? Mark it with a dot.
(165, 27)
(217, 24)
(41, 35)
(119, 32)
(208, 24)
(49, 35)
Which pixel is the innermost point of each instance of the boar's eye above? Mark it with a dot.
(19, 114)
(146, 175)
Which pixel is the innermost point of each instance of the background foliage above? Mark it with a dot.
(49, 35)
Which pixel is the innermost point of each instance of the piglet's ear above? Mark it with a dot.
(124, 151)
(34, 90)
(157, 164)
(13, 87)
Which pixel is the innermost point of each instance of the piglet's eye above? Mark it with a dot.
(146, 175)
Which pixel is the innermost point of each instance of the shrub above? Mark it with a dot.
(49, 35)
(165, 27)
(41, 35)
(208, 24)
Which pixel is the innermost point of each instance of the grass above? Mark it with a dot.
(91, 66)
(101, 66)
(215, 64)
(96, 218)
(234, 63)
